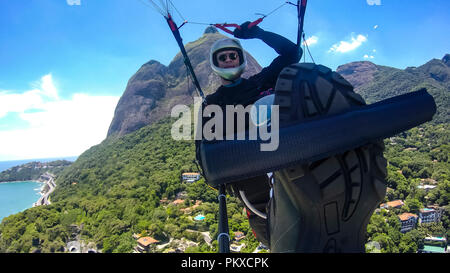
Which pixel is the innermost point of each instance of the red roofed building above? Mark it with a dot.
(238, 236)
(144, 244)
(392, 204)
(408, 221)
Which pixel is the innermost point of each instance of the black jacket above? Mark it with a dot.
(247, 91)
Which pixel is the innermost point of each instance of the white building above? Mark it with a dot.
(429, 215)
(408, 221)
(426, 187)
(190, 177)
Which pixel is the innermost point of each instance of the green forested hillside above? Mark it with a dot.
(114, 190)
(416, 157)
(389, 82)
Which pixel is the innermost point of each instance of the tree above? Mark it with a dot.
(386, 243)
(376, 225)
(110, 243)
(414, 205)
(408, 244)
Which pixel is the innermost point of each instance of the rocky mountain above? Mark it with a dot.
(155, 88)
(376, 82)
(358, 73)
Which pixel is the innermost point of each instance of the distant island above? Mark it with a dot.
(33, 170)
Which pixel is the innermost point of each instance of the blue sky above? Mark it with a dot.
(65, 63)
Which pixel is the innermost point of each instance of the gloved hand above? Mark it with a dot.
(247, 33)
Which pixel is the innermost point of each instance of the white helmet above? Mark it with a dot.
(227, 44)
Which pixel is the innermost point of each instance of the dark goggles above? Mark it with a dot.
(223, 57)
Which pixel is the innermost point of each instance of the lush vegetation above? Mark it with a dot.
(416, 157)
(389, 82)
(33, 170)
(114, 190)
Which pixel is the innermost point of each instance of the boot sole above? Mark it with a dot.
(330, 201)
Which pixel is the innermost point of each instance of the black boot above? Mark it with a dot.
(323, 206)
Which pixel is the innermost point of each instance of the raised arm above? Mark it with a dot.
(288, 51)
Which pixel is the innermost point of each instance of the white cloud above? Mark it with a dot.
(375, 26)
(48, 88)
(344, 46)
(311, 40)
(368, 57)
(373, 2)
(62, 127)
(32, 99)
(73, 2)
(10, 102)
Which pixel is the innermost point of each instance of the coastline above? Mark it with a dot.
(48, 187)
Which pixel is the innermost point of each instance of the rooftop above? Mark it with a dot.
(427, 210)
(405, 216)
(178, 201)
(239, 235)
(146, 241)
(393, 204)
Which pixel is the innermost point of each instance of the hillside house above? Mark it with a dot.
(190, 177)
(408, 221)
(392, 204)
(238, 236)
(144, 244)
(429, 215)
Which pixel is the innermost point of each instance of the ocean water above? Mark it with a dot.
(18, 196)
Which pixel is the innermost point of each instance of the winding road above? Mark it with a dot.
(43, 200)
